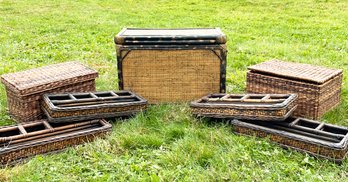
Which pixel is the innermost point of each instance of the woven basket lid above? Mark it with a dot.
(296, 71)
(171, 36)
(47, 78)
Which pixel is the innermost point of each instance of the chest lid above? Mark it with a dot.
(187, 36)
(47, 78)
(296, 71)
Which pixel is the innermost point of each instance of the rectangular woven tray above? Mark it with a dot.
(313, 137)
(71, 107)
(246, 106)
(38, 137)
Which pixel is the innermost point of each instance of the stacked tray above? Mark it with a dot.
(86, 106)
(38, 137)
(269, 116)
(246, 106)
(316, 138)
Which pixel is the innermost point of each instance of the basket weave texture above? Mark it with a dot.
(24, 89)
(265, 107)
(313, 137)
(318, 88)
(39, 137)
(166, 68)
(86, 106)
(173, 76)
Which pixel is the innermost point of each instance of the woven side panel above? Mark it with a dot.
(309, 95)
(171, 75)
(29, 151)
(24, 109)
(311, 148)
(259, 114)
(100, 111)
(330, 95)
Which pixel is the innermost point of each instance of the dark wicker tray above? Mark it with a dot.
(26, 140)
(246, 106)
(313, 137)
(86, 106)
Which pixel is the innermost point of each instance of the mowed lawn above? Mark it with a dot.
(166, 143)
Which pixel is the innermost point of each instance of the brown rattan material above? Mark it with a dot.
(25, 88)
(86, 106)
(313, 137)
(318, 88)
(172, 72)
(39, 137)
(246, 106)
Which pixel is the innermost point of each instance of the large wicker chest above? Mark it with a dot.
(24, 89)
(171, 65)
(318, 88)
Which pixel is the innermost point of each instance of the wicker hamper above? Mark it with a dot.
(266, 107)
(313, 137)
(71, 107)
(171, 65)
(38, 137)
(318, 88)
(24, 89)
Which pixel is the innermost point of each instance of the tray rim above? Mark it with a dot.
(49, 104)
(292, 98)
(106, 126)
(343, 144)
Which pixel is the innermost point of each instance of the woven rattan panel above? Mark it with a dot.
(47, 78)
(171, 75)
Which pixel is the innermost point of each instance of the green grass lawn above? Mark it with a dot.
(167, 143)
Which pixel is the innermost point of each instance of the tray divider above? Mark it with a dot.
(114, 94)
(47, 125)
(295, 122)
(244, 97)
(266, 97)
(93, 95)
(225, 97)
(22, 129)
(320, 126)
(72, 97)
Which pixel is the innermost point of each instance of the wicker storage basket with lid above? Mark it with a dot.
(318, 88)
(171, 65)
(24, 89)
